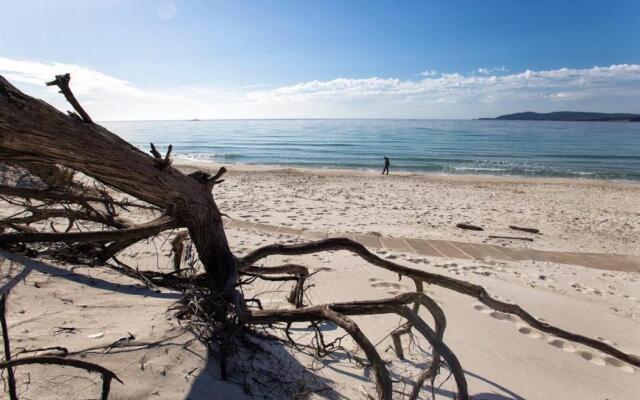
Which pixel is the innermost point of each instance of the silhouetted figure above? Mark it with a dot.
(386, 165)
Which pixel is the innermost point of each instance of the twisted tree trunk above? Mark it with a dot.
(32, 130)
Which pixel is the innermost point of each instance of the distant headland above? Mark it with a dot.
(567, 116)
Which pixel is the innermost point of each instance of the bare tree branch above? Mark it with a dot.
(463, 287)
(62, 82)
(137, 232)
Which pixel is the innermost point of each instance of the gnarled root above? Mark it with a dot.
(338, 313)
(460, 286)
(299, 273)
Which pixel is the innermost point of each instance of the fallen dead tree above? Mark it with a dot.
(33, 134)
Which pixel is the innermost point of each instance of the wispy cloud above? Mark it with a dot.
(484, 92)
(489, 71)
(85, 80)
(429, 72)
(110, 98)
(623, 80)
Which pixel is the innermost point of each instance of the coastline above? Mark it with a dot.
(574, 215)
(188, 164)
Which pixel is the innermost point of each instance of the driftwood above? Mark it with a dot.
(469, 227)
(62, 82)
(519, 228)
(34, 133)
(511, 238)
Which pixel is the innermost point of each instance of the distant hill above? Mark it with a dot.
(567, 116)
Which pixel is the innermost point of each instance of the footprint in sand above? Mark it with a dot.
(621, 365)
(561, 344)
(571, 348)
(393, 288)
(482, 308)
(494, 314)
(532, 333)
(592, 358)
(389, 285)
(502, 316)
(582, 288)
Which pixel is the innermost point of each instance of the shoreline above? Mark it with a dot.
(574, 215)
(425, 175)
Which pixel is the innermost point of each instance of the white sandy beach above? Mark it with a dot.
(503, 357)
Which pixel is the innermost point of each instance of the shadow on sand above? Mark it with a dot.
(273, 373)
(27, 265)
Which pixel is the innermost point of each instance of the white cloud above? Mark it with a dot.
(109, 98)
(85, 80)
(435, 95)
(615, 80)
(429, 72)
(489, 71)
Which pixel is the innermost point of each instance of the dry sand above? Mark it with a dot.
(573, 215)
(502, 357)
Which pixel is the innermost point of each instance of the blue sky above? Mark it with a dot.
(150, 59)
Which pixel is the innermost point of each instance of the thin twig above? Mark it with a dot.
(13, 393)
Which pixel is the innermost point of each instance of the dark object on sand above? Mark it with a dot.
(469, 227)
(386, 165)
(511, 237)
(530, 230)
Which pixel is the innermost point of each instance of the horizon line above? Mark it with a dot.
(291, 119)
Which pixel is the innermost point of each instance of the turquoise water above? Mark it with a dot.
(609, 150)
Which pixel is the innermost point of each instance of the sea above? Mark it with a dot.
(589, 150)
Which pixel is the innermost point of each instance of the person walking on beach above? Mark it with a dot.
(386, 165)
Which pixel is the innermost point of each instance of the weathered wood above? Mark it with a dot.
(31, 130)
(476, 291)
(76, 215)
(337, 313)
(62, 82)
(519, 228)
(300, 272)
(469, 227)
(139, 231)
(58, 195)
